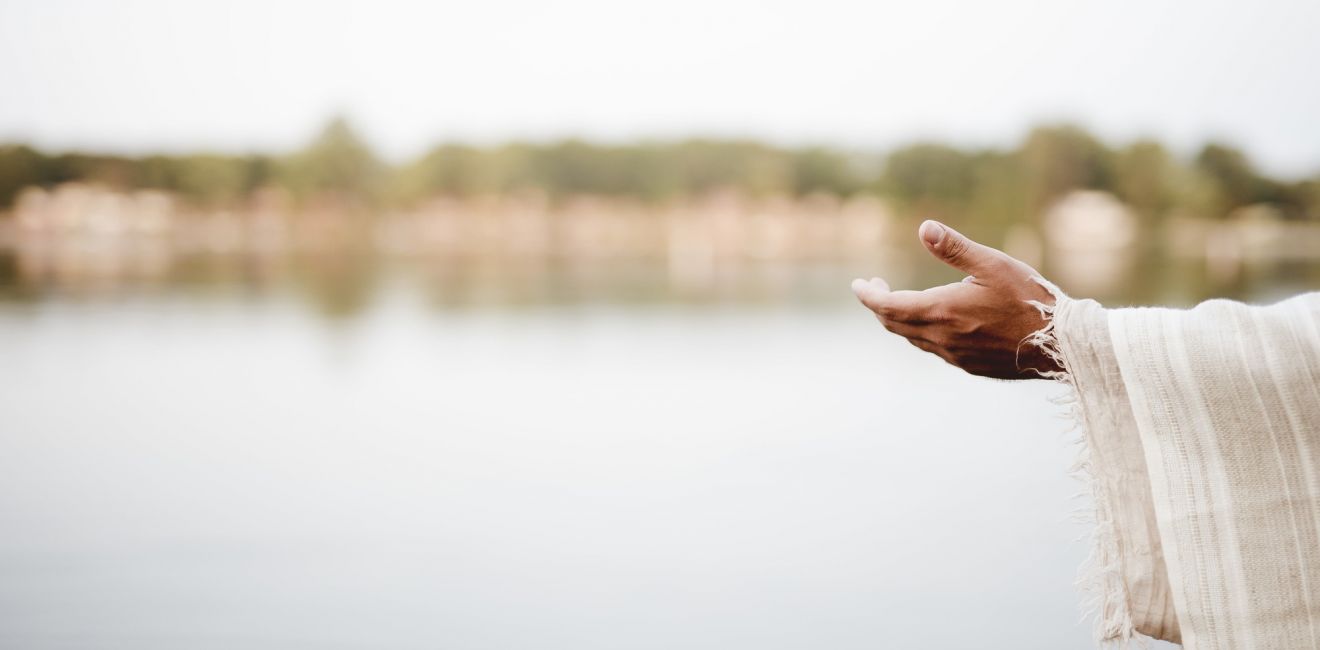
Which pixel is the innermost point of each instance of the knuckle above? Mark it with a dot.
(925, 345)
(940, 314)
(1003, 266)
(955, 249)
(968, 327)
(1021, 268)
(896, 314)
(882, 309)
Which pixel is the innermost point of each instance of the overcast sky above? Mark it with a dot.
(242, 75)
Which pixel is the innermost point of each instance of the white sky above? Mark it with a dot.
(240, 74)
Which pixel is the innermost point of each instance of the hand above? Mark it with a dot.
(980, 324)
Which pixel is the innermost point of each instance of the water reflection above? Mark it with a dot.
(519, 250)
(532, 423)
(176, 473)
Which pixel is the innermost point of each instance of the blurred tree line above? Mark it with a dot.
(987, 189)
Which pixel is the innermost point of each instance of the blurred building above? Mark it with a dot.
(1090, 241)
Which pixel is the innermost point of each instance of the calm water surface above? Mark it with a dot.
(185, 474)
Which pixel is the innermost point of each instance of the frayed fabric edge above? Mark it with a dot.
(1100, 577)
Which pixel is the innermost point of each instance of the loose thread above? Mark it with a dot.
(1100, 577)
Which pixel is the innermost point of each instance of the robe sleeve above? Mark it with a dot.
(1201, 447)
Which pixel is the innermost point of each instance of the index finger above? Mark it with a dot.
(896, 305)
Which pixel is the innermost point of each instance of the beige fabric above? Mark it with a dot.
(1202, 438)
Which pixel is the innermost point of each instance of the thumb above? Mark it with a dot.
(956, 250)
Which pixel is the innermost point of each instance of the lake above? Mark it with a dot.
(190, 472)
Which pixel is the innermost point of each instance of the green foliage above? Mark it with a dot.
(1145, 177)
(1305, 195)
(20, 166)
(651, 171)
(337, 162)
(1059, 159)
(984, 191)
(999, 195)
(929, 173)
(1232, 182)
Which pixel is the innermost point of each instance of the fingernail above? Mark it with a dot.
(858, 286)
(932, 232)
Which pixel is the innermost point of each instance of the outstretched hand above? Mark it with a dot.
(980, 324)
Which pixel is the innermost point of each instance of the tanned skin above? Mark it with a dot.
(979, 324)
